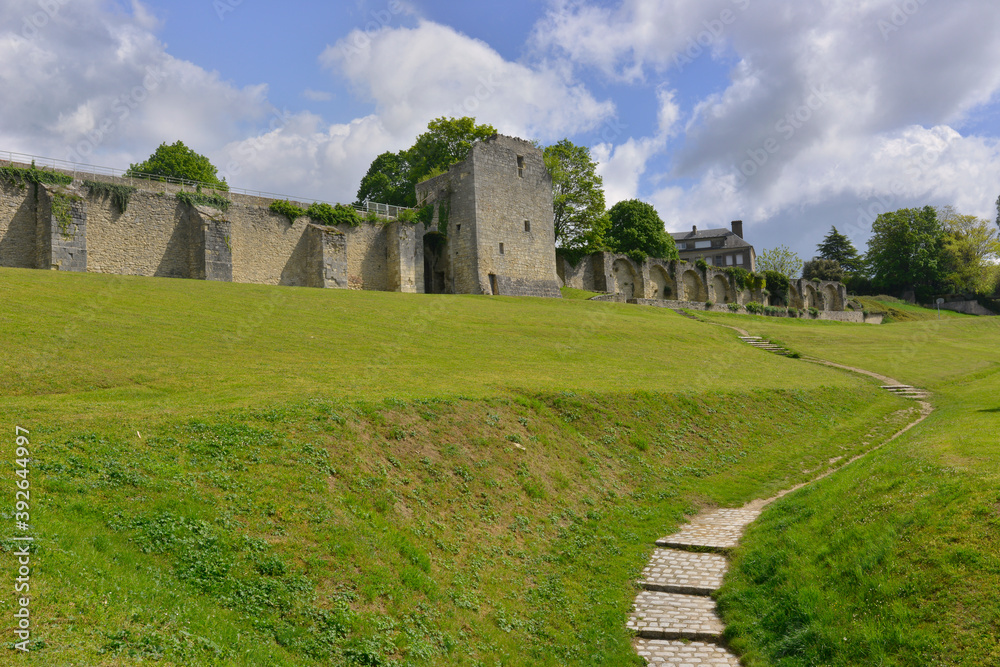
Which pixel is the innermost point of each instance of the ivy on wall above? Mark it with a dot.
(22, 176)
(444, 210)
(62, 211)
(287, 209)
(120, 194)
(200, 199)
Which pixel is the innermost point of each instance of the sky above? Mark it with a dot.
(793, 116)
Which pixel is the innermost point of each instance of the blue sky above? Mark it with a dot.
(791, 116)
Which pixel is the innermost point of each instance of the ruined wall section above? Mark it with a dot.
(62, 228)
(18, 223)
(514, 219)
(453, 196)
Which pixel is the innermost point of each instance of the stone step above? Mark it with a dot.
(677, 653)
(659, 615)
(719, 529)
(675, 571)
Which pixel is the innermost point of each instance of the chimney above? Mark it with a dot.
(694, 229)
(738, 228)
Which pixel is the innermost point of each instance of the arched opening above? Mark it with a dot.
(626, 282)
(694, 287)
(434, 263)
(721, 289)
(831, 298)
(663, 286)
(811, 298)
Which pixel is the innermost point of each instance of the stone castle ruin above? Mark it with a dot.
(490, 232)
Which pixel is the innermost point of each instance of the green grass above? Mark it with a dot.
(892, 561)
(573, 293)
(237, 474)
(901, 311)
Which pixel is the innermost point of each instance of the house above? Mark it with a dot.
(718, 247)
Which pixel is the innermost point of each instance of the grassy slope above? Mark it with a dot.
(912, 576)
(233, 474)
(901, 311)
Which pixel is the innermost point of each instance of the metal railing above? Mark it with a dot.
(76, 169)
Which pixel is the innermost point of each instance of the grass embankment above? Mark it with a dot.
(898, 310)
(233, 474)
(895, 560)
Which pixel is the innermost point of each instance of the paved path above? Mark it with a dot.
(674, 617)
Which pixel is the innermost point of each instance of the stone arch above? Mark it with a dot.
(794, 296)
(694, 287)
(627, 281)
(721, 290)
(811, 298)
(663, 286)
(831, 298)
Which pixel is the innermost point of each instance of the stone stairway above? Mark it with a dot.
(906, 391)
(674, 616)
(766, 345)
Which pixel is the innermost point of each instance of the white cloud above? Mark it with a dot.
(317, 95)
(825, 104)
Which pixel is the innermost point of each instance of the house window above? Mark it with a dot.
(527, 225)
(699, 245)
(708, 260)
(739, 260)
(718, 260)
(729, 260)
(520, 166)
(501, 248)
(682, 246)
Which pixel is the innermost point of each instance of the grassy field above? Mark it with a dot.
(901, 311)
(235, 474)
(895, 560)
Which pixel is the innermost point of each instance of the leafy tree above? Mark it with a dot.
(392, 178)
(447, 141)
(824, 269)
(906, 252)
(637, 230)
(971, 244)
(388, 181)
(781, 260)
(838, 247)
(577, 194)
(178, 161)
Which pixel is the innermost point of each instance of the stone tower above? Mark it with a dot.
(492, 229)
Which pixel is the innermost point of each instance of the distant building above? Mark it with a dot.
(718, 247)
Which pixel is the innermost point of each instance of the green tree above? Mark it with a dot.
(388, 181)
(178, 161)
(970, 248)
(637, 230)
(577, 195)
(392, 177)
(780, 259)
(838, 247)
(824, 269)
(906, 252)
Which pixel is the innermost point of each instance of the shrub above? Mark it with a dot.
(734, 307)
(708, 304)
(287, 209)
(199, 199)
(755, 308)
(407, 215)
(333, 215)
(813, 312)
(701, 264)
(793, 312)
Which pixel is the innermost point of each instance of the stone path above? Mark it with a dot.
(766, 345)
(674, 616)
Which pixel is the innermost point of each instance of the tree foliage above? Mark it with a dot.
(392, 177)
(971, 246)
(824, 269)
(836, 246)
(780, 259)
(577, 196)
(178, 161)
(636, 230)
(906, 252)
